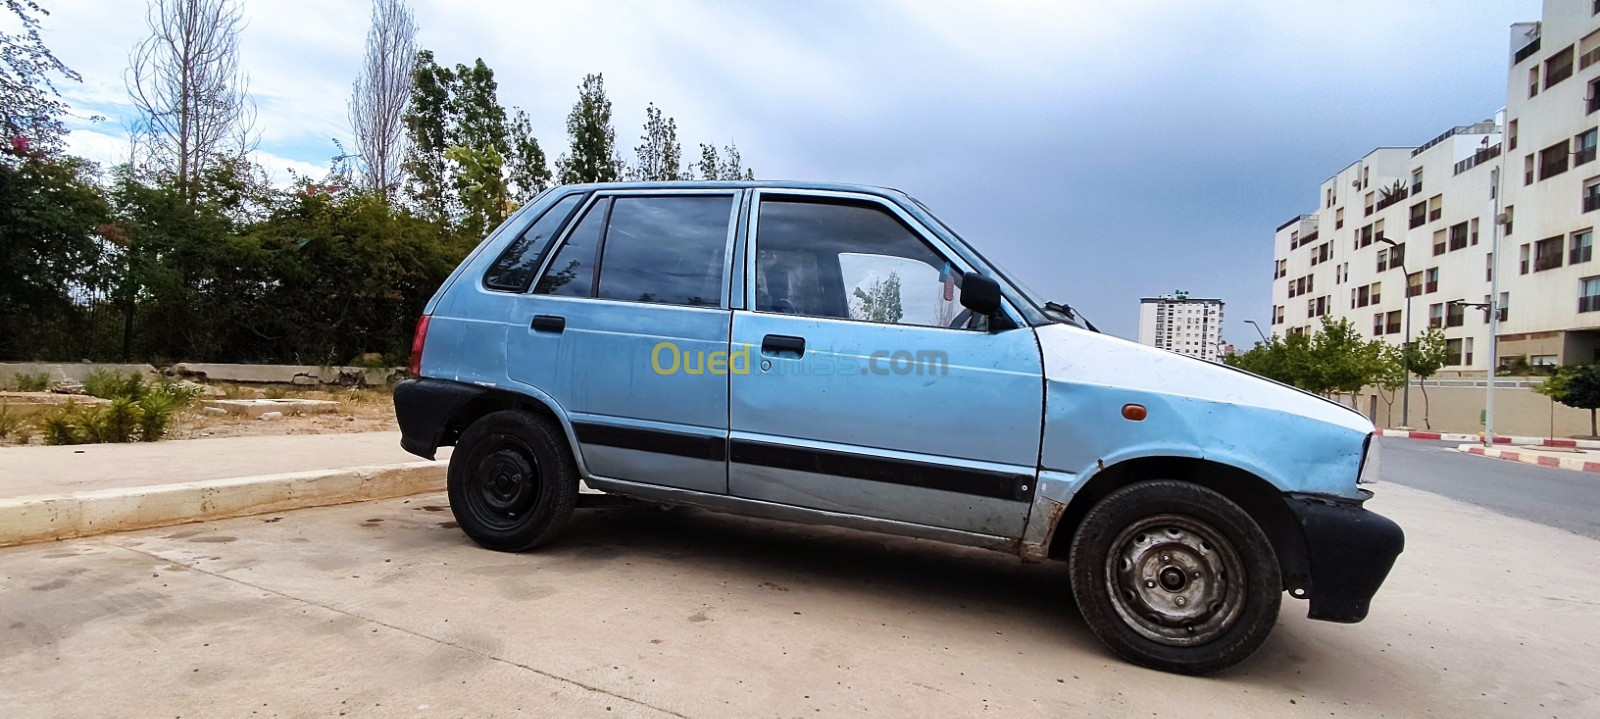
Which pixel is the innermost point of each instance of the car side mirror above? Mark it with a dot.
(980, 294)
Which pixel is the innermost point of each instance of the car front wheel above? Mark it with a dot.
(1176, 577)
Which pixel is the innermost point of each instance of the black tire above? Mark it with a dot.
(512, 481)
(1154, 569)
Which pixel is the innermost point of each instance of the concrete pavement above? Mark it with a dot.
(384, 608)
(1550, 496)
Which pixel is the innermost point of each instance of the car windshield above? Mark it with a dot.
(1054, 311)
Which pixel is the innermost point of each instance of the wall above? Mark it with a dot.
(1457, 405)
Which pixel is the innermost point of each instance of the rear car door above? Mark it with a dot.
(871, 391)
(620, 328)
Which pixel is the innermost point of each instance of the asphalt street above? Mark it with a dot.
(1553, 497)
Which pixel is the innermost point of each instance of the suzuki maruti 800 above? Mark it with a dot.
(835, 354)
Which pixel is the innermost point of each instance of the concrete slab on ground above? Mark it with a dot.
(384, 608)
(33, 470)
(258, 407)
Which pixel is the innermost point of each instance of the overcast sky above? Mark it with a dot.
(1102, 151)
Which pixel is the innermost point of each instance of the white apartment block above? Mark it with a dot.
(1437, 204)
(1186, 325)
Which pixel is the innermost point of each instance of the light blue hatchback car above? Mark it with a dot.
(835, 354)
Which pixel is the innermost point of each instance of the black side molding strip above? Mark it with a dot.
(982, 483)
(694, 446)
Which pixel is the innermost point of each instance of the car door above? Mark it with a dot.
(870, 391)
(622, 327)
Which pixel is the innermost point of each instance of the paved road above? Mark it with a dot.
(1553, 497)
(384, 609)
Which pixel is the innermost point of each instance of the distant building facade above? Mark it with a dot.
(1186, 325)
(1421, 222)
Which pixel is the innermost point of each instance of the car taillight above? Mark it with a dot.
(418, 341)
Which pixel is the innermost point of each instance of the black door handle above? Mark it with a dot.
(773, 344)
(548, 323)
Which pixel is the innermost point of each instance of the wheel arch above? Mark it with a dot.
(1260, 499)
(495, 400)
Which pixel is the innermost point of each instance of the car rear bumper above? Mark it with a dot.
(424, 407)
(1349, 551)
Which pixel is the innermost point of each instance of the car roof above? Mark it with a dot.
(738, 185)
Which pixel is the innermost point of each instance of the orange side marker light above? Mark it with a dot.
(1133, 412)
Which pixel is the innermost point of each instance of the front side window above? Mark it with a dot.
(514, 268)
(851, 260)
(669, 250)
(571, 273)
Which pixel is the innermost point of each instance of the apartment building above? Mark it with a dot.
(1418, 223)
(1186, 325)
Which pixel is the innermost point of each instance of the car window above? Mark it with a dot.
(853, 261)
(514, 268)
(670, 250)
(571, 273)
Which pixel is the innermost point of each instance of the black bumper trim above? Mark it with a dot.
(1349, 552)
(423, 406)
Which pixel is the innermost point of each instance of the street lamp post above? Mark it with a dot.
(1405, 344)
(1252, 323)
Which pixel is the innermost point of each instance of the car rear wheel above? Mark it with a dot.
(512, 481)
(1176, 577)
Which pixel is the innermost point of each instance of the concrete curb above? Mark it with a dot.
(41, 518)
(1576, 464)
(1520, 441)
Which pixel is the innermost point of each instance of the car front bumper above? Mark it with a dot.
(1349, 552)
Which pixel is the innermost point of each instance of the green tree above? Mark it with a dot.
(1341, 361)
(658, 155)
(1425, 356)
(55, 239)
(484, 195)
(592, 152)
(880, 302)
(1391, 376)
(427, 120)
(525, 168)
(724, 165)
(1576, 386)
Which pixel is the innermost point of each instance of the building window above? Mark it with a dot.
(1522, 262)
(1589, 48)
(1488, 267)
(1504, 306)
(1364, 238)
(1430, 280)
(1392, 323)
(1377, 292)
(1589, 294)
(1370, 203)
(1435, 207)
(1533, 81)
(1383, 260)
(1281, 270)
(1458, 237)
(1591, 196)
(1436, 315)
(1547, 254)
(1511, 135)
(1439, 239)
(1511, 215)
(1452, 352)
(1338, 219)
(1592, 99)
(1377, 324)
(1474, 231)
(1414, 284)
(1455, 315)
(1553, 160)
(1528, 165)
(1416, 181)
(1584, 144)
(1582, 247)
(1558, 67)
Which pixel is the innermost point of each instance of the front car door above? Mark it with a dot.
(627, 314)
(871, 391)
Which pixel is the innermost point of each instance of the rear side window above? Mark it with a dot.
(513, 269)
(669, 250)
(571, 274)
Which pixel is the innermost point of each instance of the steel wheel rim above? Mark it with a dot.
(1175, 580)
(505, 483)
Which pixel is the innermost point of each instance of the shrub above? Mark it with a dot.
(144, 412)
(37, 382)
(111, 385)
(61, 426)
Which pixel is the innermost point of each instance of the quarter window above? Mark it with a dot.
(669, 250)
(571, 273)
(514, 268)
(851, 261)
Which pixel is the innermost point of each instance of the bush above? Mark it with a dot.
(143, 411)
(107, 384)
(37, 382)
